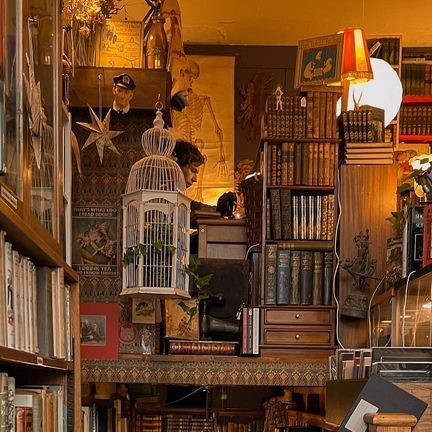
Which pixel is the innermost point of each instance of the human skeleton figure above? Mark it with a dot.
(189, 123)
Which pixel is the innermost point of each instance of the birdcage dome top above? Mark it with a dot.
(157, 171)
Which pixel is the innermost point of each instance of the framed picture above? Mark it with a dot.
(178, 324)
(99, 331)
(143, 310)
(121, 44)
(319, 60)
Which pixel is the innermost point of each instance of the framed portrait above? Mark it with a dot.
(319, 60)
(99, 330)
(143, 310)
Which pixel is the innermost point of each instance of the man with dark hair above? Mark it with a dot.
(189, 158)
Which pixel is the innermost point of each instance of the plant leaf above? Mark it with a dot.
(404, 187)
(158, 245)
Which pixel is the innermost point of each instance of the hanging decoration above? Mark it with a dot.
(100, 133)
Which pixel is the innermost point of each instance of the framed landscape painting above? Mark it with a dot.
(319, 60)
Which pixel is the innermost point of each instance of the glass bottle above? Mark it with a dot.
(156, 45)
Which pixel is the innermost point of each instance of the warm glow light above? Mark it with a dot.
(386, 321)
(427, 305)
(384, 91)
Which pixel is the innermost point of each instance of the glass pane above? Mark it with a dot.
(381, 317)
(10, 98)
(39, 86)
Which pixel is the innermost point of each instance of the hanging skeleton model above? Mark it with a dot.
(156, 215)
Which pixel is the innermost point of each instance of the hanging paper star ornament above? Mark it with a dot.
(100, 133)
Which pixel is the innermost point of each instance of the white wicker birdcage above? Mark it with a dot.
(156, 216)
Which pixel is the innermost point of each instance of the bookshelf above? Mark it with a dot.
(298, 219)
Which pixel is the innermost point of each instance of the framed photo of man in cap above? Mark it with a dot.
(123, 91)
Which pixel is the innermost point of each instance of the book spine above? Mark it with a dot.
(316, 116)
(298, 164)
(276, 214)
(306, 291)
(249, 330)
(307, 245)
(322, 114)
(256, 328)
(285, 156)
(309, 115)
(244, 348)
(201, 347)
(270, 286)
(283, 276)
(328, 279)
(9, 282)
(317, 278)
(286, 214)
(10, 422)
(295, 277)
(291, 167)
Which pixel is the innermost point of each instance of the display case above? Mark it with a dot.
(401, 316)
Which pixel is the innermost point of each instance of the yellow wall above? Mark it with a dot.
(284, 22)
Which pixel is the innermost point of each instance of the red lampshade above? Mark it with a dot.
(356, 66)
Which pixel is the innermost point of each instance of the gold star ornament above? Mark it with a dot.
(100, 133)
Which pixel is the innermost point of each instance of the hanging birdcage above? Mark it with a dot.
(156, 215)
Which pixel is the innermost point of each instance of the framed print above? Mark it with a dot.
(99, 330)
(143, 310)
(178, 324)
(121, 44)
(319, 60)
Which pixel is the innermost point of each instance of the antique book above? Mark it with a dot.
(316, 114)
(285, 157)
(44, 311)
(291, 166)
(283, 276)
(306, 277)
(270, 278)
(3, 292)
(202, 347)
(295, 277)
(306, 245)
(276, 222)
(327, 278)
(310, 114)
(286, 214)
(317, 278)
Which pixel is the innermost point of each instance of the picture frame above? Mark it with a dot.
(99, 330)
(120, 44)
(178, 324)
(143, 310)
(319, 61)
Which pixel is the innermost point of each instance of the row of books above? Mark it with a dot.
(148, 423)
(416, 120)
(250, 330)
(285, 117)
(298, 277)
(34, 306)
(186, 423)
(321, 114)
(201, 347)
(234, 426)
(417, 79)
(350, 364)
(299, 217)
(297, 163)
(388, 51)
(362, 126)
(35, 408)
(380, 153)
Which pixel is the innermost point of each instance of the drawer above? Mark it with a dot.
(300, 316)
(284, 336)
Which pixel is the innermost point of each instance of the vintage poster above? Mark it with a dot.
(95, 243)
(121, 44)
(208, 122)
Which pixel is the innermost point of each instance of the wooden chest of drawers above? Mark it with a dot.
(305, 331)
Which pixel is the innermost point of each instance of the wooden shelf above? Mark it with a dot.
(408, 100)
(206, 370)
(304, 187)
(16, 357)
(301, 140)
(416, 138)
(424, 271)
(30, 244)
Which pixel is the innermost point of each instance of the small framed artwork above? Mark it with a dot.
(178, 324)
(319, 60)
(99, 330)
(143, 310)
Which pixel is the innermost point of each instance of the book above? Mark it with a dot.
(283, 276)
(317, 290)
(327, 279)
(295, 277)
(44, 311)
(276, 222)
(270, 279)
(306, 278)
(202, 347)
(285, 207)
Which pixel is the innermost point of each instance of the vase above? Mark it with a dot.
(156, 45)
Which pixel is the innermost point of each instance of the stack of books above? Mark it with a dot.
(370, 153)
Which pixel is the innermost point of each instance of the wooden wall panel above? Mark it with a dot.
(367, 198)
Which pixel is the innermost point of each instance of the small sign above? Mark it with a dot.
(9, 198)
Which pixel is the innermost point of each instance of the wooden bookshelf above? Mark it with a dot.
(304, 188)
(413, 100)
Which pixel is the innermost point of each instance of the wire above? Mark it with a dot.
(337, 257)
(249, 249)
(185, 397)
(404, 308)
(369, 309)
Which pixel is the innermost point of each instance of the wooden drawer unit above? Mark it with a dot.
(297, 316)
(287, 330)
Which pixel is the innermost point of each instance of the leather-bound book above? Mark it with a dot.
(283, 276)
(306, 278)
(295, 277)
(317, 278)
(270, 276)
(327, 278)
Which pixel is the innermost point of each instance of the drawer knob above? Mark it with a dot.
(297, 336)
(297, 316)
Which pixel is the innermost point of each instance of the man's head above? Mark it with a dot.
(189, 158)
(123, 90)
